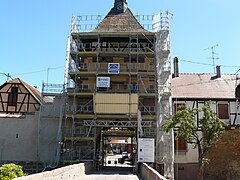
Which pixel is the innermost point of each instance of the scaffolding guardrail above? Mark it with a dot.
(124, 88)
(103, 67)
(52, 88)
(86, 109)
(86, 23)
(112, 47)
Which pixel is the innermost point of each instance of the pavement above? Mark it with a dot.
(105, 177)
(113, 171)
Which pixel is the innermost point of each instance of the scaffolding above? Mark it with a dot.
(164, 145)
(87, 23)
(143, 71)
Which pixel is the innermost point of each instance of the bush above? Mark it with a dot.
(11, 171)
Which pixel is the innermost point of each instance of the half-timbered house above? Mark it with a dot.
(18, 97)
(192, 90)
(25, 136)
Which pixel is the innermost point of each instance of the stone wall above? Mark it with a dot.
(67, 173)
(224, 157)
(148, 173)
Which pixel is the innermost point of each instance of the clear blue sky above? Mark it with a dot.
(33, 33)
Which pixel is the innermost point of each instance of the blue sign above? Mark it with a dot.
(113, 68)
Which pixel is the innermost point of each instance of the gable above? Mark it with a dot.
(17, 97)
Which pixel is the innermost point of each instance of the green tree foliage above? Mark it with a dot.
(200, 132)
(10, 171)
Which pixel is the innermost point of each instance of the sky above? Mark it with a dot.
(33, 34)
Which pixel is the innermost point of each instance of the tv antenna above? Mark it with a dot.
(7, 75)
(213, 55)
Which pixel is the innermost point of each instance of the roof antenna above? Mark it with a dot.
(213, 55)
(7, 75)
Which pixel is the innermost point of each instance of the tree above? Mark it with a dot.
(10, 171)
(201, 133)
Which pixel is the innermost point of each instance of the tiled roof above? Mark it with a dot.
(205, 86)
(124, 22)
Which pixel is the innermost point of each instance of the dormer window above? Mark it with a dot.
(13, 96)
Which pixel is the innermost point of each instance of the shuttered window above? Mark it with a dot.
(178, 106)
(180, 144)
(13, 96)
(223, 112)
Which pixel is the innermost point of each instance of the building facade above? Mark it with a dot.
(28, 133)
(117, 82)
(193, 90)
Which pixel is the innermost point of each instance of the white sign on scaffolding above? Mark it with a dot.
(113, 68)
(103, 82)
(146, 149)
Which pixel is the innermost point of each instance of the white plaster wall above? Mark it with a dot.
(48, 140)
(49, 135)
(191, 155)
(18, 138)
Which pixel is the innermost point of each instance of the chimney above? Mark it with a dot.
(120, 6)
(218, 68)
(176, 68)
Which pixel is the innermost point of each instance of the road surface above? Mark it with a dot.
(113, 171)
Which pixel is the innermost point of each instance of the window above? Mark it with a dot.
(237, 92)
(13, 96)
(223, 111)
(178, 106)
(180, 144)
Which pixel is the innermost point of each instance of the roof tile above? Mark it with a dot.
(205, 86)
(124, 22)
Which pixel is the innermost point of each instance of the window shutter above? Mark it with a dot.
(223, 111)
